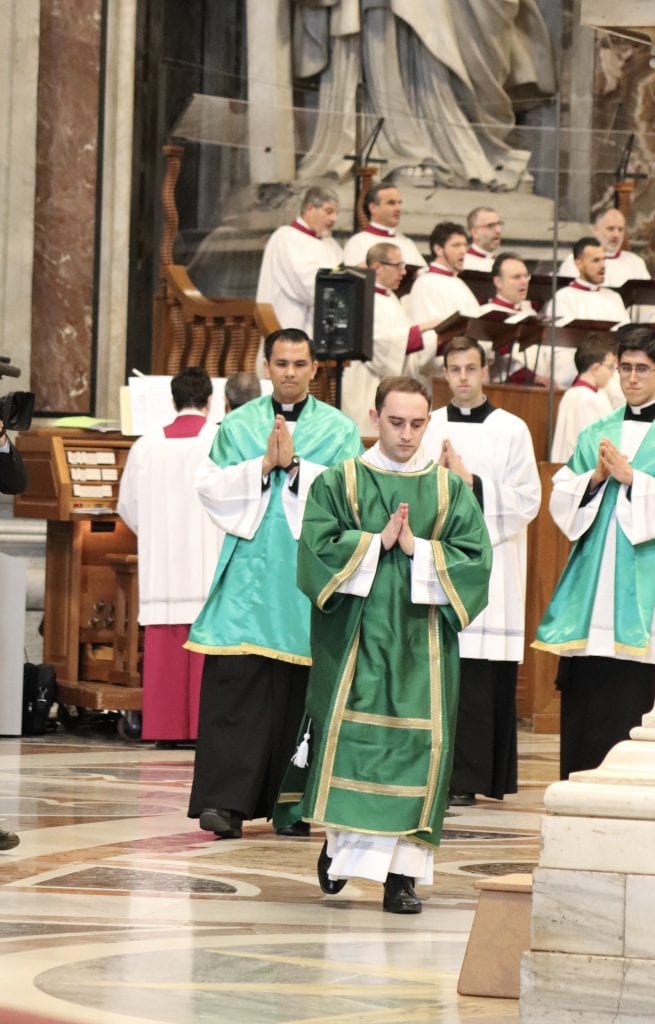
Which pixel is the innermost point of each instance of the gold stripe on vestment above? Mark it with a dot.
(447, 584)
(366, 718)
(333, 727)
(289, 798)
(629, 649)
(579, 645)
(571, 645)
(265, 652)
(349, 568)
(378, 788)
(350, 474)
(409, 833)
(443, 500)
(436, 707)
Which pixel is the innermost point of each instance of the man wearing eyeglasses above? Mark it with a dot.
(485, 227)
(600, 618)
(400, 347)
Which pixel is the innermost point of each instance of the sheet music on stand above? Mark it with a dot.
(146, 403)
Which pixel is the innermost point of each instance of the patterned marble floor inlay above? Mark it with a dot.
(118, 910)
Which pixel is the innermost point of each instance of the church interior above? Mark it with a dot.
(150, 149)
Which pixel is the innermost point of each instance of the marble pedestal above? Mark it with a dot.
(592, 948)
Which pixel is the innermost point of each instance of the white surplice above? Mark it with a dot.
(499, 451)
(357, 246)
(579, 407)
(391, 327)
(287, 276)
(178, 544)
(436, 296)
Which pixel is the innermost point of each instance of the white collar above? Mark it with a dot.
(375, 457)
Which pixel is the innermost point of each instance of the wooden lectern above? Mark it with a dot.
(90, 632)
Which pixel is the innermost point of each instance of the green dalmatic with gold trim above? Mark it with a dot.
(383, 688)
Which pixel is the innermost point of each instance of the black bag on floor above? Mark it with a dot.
(39, 694)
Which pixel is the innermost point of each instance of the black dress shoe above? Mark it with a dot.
(225, 824)
(328, 885)
(399, 895)
(8, 840)
(462, 799)
(299, 830)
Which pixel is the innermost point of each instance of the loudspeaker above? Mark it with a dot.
(343, 313)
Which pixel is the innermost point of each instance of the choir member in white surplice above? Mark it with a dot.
(400, 347)
(382, 205)
(491, 450)
(621, 265)
(440, 293)
(583, 299)
(484, 226)
(292, 256)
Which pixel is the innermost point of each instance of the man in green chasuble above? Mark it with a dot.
(254, 626)
(395, 557)
(601, 618)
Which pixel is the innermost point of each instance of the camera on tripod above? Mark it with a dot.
(16, 407)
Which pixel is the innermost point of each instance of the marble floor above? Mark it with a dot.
(116, 909)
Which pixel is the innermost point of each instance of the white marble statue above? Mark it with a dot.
(445, 75)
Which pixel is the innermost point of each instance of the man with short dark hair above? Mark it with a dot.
(382, 204)
(587, 400)
(583, 299)
(294, 253)
(254, 626)
(491, 451)
(511, 279)
(485, 227)
(440, 293)
(621, 265)
(178, 546)
(399, 345)
(601, 616)
(394, 556)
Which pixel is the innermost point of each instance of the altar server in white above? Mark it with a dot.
(492, 451)
(587, 400)
(178, 547)
(440, 293)
(400, 347)
(292, 256)
(383, 207)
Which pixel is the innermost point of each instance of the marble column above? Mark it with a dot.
(115, 210)
(270, 124)
(65, 208)
(19, 66)
(592, 948)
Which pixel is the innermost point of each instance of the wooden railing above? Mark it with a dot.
(223, 335)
